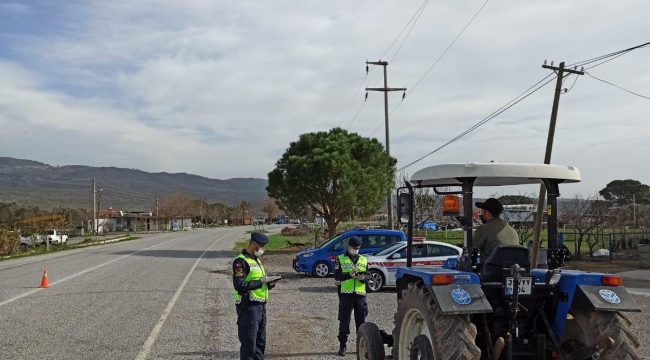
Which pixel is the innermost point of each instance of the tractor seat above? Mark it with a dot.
(502, 259)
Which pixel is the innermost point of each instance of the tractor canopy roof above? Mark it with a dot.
(494, 174)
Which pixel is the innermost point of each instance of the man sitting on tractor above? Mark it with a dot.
(494, 231)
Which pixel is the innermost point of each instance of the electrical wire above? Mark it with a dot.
(496, 113)
(607, 82)
(426, 2)
(419, 10)
(437, 60)
(354, 98)
(572, 85)
(449, 47)
(598, 58)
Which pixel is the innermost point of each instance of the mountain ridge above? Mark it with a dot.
(30, 182)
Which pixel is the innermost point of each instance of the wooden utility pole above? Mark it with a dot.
(547, 156)
(94, 207)
(157, 215)
(386, 89)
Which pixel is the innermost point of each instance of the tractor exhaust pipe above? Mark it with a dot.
(498, 348)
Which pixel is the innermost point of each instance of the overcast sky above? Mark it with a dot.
(220, 88)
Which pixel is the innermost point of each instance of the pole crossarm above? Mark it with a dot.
(385, 89)
(557, 68)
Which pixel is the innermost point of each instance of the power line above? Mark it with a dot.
(409, 33)
(354, 98)
(598, 58)
(510, 104)
(607, 82)
(424, 3)
(449, 47)
(439, 58)
(418, 11)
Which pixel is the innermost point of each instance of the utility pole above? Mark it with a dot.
(94, 206)
(549, 148)
(386, 89)
(157, 215)
(634, 208)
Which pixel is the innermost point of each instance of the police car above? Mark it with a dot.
(383, 265)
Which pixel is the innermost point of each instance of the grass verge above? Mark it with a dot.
(40, 250)
(277, 242)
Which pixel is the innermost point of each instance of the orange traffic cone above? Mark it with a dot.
(45, 283)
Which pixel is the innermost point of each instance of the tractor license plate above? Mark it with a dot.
(525, 285)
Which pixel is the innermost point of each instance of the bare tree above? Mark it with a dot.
(217, 212)
(176, 204)
(270, 207)
(586, 216)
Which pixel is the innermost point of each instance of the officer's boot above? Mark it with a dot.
(341, 350)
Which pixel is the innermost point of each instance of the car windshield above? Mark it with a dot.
(330, 241)
(388, 249)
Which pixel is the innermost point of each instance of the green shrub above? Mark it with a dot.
(9, 242)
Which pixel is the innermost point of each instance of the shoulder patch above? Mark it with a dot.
(239, 272)
(238, 264)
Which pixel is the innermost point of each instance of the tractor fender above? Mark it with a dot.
(604, 298)
(460, 299)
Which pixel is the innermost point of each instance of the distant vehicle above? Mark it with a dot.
(383, 265)
(31, 241)
(55, 236)
(319, 262)
(296, 222)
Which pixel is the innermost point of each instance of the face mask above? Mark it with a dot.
(259, 252)
(354, 251)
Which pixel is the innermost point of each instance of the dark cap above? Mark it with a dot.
(492, 205)
(259, 238)
(354, 241)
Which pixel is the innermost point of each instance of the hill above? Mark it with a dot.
(33, 183)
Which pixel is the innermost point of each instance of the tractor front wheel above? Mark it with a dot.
(587, 328)
(418, 317)
(370, 343)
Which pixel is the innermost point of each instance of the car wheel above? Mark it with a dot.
(376, 281)
(23, 246)
(321, 269)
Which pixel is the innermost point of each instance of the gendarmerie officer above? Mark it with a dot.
(350, 270)
(251, 293)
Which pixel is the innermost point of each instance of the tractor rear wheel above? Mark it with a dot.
(452, 337)
(587, 328)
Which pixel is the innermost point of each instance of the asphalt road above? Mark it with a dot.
(148, 298)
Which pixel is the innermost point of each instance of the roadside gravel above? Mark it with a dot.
(302, 315)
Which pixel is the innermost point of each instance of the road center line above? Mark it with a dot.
(151, 340)
(84, 271)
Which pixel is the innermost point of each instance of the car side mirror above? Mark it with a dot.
(396, 256)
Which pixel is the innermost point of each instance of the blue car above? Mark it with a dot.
(319, 262)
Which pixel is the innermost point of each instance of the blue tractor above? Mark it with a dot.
(501, 308)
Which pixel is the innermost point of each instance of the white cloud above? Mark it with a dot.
(221, 89)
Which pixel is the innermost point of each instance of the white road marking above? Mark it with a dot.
(3, 303)
(151, 340)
